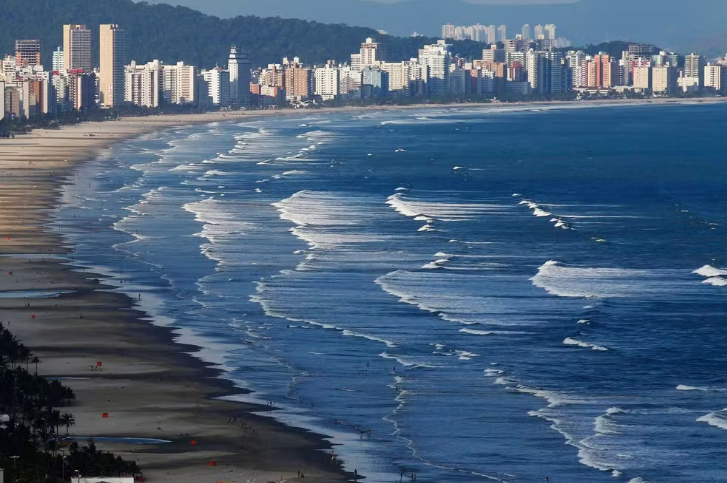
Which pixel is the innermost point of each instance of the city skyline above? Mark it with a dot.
(587, 21)
(515, 67)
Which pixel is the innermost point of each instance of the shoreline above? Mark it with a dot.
(150, 385)
(146, 372)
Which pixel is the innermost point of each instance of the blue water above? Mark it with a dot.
(496, 294)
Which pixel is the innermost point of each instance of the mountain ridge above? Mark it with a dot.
(173, 33)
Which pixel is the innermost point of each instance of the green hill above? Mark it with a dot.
(170, 34)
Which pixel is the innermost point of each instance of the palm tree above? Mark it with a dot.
(67, 420)
(54, 419)
(36, 361)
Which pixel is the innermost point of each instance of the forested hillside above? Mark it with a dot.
(176, 33)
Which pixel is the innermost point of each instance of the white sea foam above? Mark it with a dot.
(568, 281)
(716, 281)
(466, 356)
(441, 211)
(718, 419)
(586, 345)
(685, 387)
(537, 210)
(709, 271)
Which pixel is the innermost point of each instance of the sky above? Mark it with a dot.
(669, 23)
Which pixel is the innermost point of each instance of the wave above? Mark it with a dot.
(586, 282)
(709, 271)
(441, 211)
(537, 210)
(718, 419)
(490, 332)
(684, 387)
(586, 345)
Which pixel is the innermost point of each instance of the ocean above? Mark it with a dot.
(475, 294)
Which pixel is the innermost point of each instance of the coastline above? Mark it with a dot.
(145, 373)
(149, 385)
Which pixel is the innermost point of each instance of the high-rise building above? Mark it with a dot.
(143, 84)
(111, 66)
(298, 80)
(374, 83)
(525, 32)
(349, 81)
(57, 63)
(663, 79)
(27, 52)
(714, 77)
(240, 77)
(493, 54)
(539, 32)
(577, 63)
(398, 77)
(694, 68)
(606, 71)
(502, 33)
(551, 73)
(641, 50)
(448, 31)
(437, 59)
(2, 100)
(327, 81)
(179, 84)
(371, 53)
(531, 67)
(550, 31)
(77, 48)
(642, 77)
(491, 34)
(218, 82)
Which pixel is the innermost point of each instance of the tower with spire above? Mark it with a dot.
(240, 77)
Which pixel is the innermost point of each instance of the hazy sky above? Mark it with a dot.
(671, 23)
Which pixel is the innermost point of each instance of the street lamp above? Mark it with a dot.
(14, 457)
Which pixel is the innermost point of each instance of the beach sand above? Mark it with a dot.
(149, 386)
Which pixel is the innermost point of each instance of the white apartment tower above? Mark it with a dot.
(179, 84)
(58, 60)
(328, 81)
(143, 84)
(448, 31)
(714, 76)
(525, 32)
(502, 33)
(240, 77)
(218, 81)
(437, 59)
(111, 65)
(77, 48)
(550, 31)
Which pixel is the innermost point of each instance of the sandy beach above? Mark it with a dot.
(148, 385)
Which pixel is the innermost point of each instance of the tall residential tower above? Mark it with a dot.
(111, 65)
(77, 48)
(240, 77)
